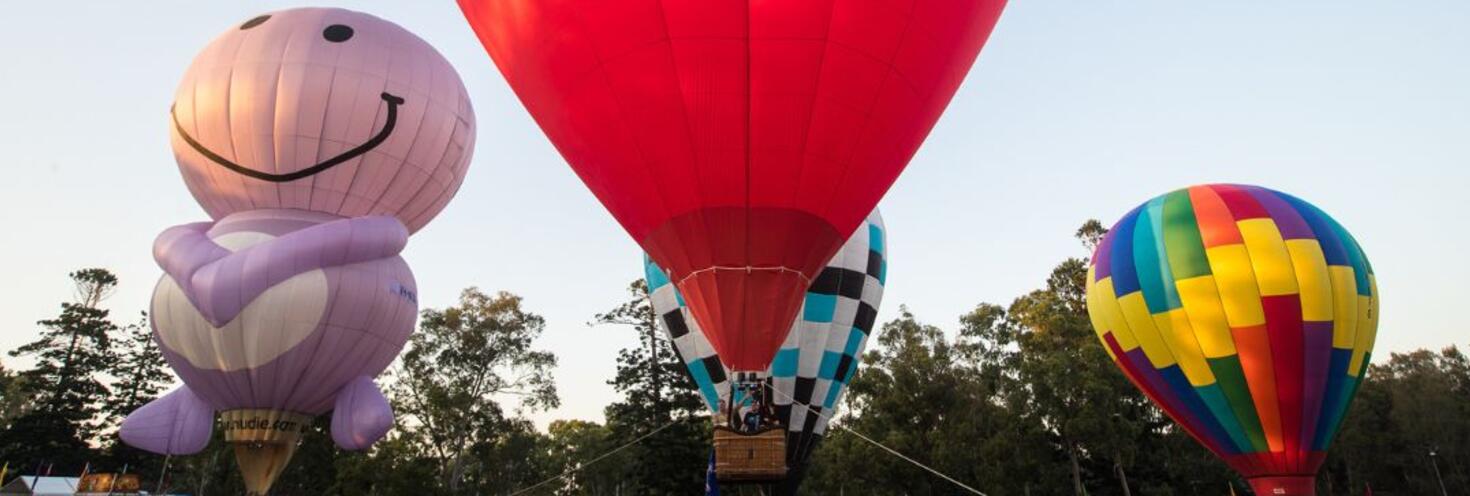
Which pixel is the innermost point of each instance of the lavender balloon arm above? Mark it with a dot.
(221, 283)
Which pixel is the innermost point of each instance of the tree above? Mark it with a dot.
(657, 391)
(15, 397)
(140, 374)
(915, 396)
(1415, 404)
(462, 359)
(574, 444)
(140, 371)
(72, 354)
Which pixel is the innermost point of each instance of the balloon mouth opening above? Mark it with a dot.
(1287, 485)
(391, 100)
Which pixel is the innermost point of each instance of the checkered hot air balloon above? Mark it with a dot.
(820, 354)
(1246, 314)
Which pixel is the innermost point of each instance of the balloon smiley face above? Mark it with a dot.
(326, 110)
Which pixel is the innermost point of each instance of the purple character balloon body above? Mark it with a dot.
(317, 140)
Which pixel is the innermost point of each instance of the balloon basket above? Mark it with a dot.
(753, 457)
(1284, 486)
(264, 441)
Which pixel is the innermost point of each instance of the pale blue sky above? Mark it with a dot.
(1076, 109)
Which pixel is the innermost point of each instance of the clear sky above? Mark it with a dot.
(1076, 109)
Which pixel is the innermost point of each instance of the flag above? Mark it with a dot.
(711, 484)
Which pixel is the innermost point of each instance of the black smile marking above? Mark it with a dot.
(393, 103)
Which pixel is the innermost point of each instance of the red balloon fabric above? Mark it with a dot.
(737, 141)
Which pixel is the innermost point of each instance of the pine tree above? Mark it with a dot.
(140, 374)
(656, 391)
(140, 371)
(71, 355)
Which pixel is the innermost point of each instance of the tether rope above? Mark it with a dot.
(589, 463)
(827, 414)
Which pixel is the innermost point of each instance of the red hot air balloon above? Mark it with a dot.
(738, 141)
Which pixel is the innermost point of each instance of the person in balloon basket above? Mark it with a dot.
(317, 140)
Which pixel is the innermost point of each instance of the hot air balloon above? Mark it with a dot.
(820, 354)
(1247, 315)
(738, 142)
(317, 140)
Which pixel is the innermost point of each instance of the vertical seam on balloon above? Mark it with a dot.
(321, 135)
(1333, 234)
(408, 154)
(1271, 377)
(1293, 456)
(355, 342)
(1162, 255)
(868, 115)
(465, 154)
(219, 177)
(1140, 380)
(1195, 323)
(801, 159)
(698, 188)
(1362, 327)
(425, 209)
(275, 95)
(749, 108)
(1182, 395)
(229, 126)
(361, 160)
(1311, 437)
(211, 203)
(322, 329)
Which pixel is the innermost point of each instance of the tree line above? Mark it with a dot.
(1016, 399)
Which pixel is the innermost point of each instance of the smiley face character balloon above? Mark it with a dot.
(317, 140)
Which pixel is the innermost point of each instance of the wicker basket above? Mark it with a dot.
(750, 457)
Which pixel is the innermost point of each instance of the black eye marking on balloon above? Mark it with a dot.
(392, 101)
(255, 22)
(337, 33)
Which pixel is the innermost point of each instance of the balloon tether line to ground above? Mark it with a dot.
(589, 463)
(826, 414)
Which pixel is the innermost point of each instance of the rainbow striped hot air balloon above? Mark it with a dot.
(1247, 314)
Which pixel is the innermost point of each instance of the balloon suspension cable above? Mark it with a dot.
(746, 269)
(599, 458)
(827, 415)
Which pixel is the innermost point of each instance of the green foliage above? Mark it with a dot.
(1022, 401)
(459, 363)
(1017, 400)
(656, 391)
(1415, 404)
(15, 396)
(66, 385)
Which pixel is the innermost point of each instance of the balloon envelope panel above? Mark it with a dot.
(820, 354)
(734, 135)
(1247, 314)
(288, 92)
(297, 343)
